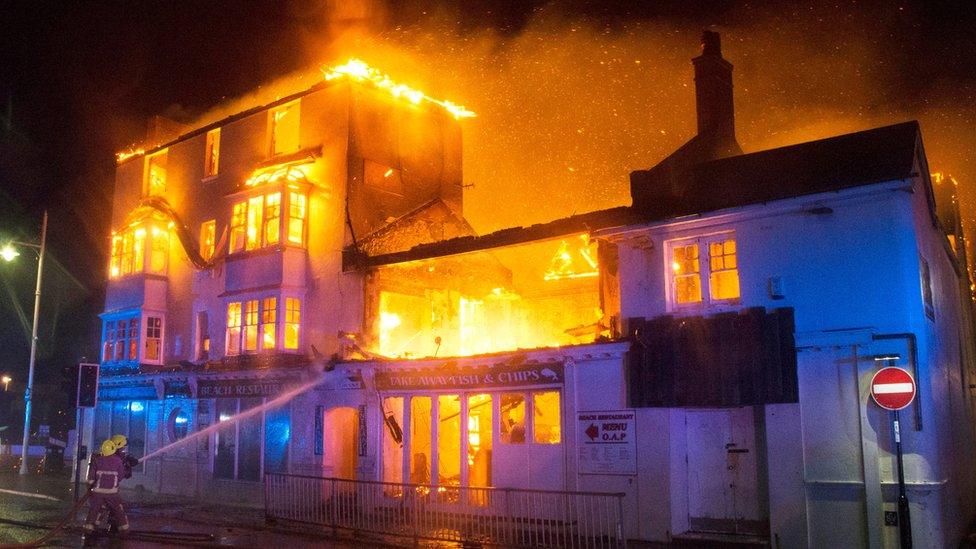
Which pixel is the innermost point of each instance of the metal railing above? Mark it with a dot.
(488, 516)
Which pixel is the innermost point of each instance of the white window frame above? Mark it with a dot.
(704, 271)
(279, 325)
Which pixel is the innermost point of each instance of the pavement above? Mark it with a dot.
(30, 506)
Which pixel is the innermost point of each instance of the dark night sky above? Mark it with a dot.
(570, 97)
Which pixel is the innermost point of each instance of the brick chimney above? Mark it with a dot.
(713, 91)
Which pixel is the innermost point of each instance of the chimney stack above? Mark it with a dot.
(713, 91)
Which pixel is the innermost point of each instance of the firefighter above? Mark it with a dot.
(122, 443)
(104, 475)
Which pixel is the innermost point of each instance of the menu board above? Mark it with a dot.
(607, 442)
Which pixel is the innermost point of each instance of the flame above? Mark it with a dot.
(290, 172)
(358, 70)
(122, 156)
(562, 266)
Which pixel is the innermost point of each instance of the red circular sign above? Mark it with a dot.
(892, 388)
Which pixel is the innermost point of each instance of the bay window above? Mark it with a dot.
(252, 325)
(129, 248)
(284, 124)
(256, 221)
(688, 259)
(123, 337)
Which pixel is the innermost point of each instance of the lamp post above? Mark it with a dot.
(6, 382)
(8, 253)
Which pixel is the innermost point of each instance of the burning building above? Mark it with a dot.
(702, 354)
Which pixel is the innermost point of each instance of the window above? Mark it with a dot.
(420, 439)
(237, 452)
(137, 432)
(256, 222)
(155, 174)
(252, 325)
(208, 238)
(715, 255)
(272, 219)
(546, 418)
(211, 161)
(448, 440)
(154, 338)
(393, 441)
(129, 251)
(269, 319)
(159, 251)
(120, 340)
(285, 122)
(238, 227)
(543, 419)
(513, 418)
(203, 335)
(293, 316)
(926, 275)
(296, 218)
(479, 440)
(179, 424)
(233, 328)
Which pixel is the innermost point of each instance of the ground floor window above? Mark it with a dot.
(246, 448)
(122, 418)
(448, 439)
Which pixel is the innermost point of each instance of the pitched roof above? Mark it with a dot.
(832, 164)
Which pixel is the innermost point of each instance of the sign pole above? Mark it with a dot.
(80, 428)
(904, 517)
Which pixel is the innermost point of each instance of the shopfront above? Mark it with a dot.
(483, 425)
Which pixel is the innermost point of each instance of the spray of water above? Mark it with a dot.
(277, 401)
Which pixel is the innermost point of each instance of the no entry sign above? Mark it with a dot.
(892, 388)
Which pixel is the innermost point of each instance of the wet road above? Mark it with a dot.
(36, 501)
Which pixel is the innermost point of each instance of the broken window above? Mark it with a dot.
(256, 222)
(238, 227)
(159, 251)
(233, 328)
(155, 174)
(546, 417)
(479, 440)
(269, 319)
(251, 325)
(211, 162)
(285, 124)
(208, 238)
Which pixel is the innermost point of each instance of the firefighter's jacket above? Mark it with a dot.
(105, 473)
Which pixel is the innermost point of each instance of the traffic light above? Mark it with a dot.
(87, 385)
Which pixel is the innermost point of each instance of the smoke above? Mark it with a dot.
(570, 99)
(568, 105)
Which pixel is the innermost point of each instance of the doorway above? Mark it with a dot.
(339, 451)
(723, 472)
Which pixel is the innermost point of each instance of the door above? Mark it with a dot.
(340, 435)
(723, 487)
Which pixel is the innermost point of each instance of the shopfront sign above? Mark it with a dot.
(487, 376)
(238, 388)
(607, 442)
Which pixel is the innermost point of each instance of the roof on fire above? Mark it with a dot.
(826, 165)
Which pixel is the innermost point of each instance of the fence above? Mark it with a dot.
(488, 516)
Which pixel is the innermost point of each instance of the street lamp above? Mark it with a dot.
(9, 253)
(6, 382)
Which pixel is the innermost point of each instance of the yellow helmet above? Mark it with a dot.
(108, 447)
(120, 441)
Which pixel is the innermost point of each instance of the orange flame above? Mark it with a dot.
(359, 71)
(122, 156)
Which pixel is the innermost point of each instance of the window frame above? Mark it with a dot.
(127, 331)
(259, 325)
(148, 189)
(704, 242)
(276, 208)
(208, 239)
(291, 107)
(211, 154)
(236, 431)
(134, 248)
